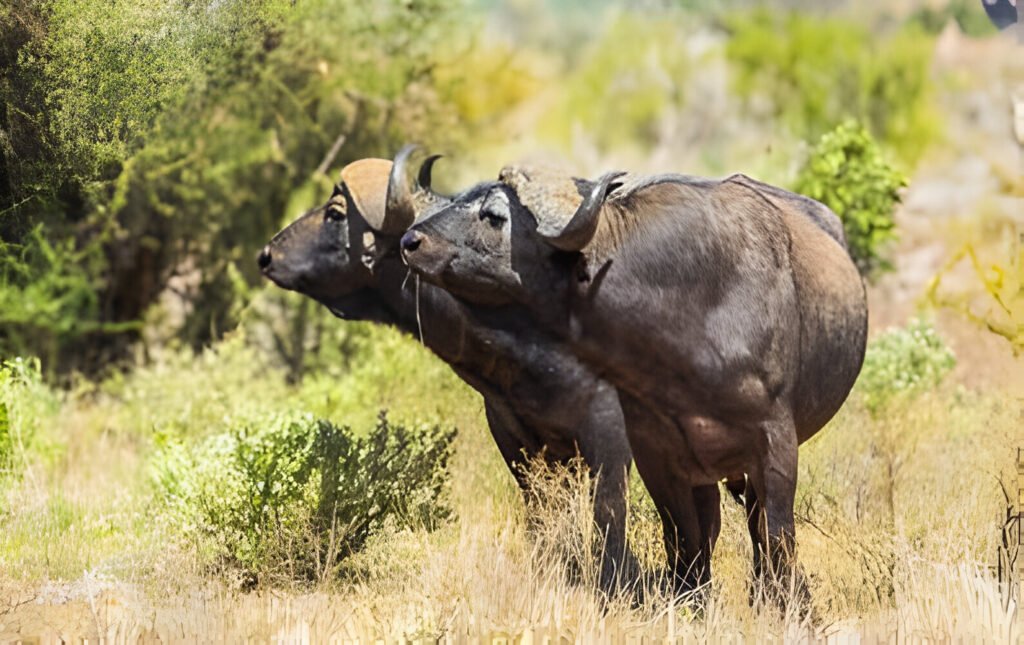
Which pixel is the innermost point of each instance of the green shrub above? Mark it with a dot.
(24, 402)
(903, 363)
(814, 72)
(47, 298)
(847, 172)
(288, 499)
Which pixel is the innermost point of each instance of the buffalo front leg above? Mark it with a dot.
(506, 432)
(605, 448)
(619, 567)
(660, 468)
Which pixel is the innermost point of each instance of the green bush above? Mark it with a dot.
(289, 499)
(814, 72)
(47, 299)
(25, 401)
(847, 172)
(903, 363)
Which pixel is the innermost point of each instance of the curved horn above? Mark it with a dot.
(581, 228)
(399, 212)
(425, 169)
(426, 199)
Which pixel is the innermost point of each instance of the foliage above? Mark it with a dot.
(487, 82)
(24, 402)
(815, 72)
(46, 300)
(901, 363)
(847, 172)
(969, 16)
(295, 495)
(622, 85)
(1003, 283)
(166, 139)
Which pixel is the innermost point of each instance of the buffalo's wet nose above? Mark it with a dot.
(264, 259)
(411, 241)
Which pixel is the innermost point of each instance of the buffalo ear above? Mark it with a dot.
(367, 183)
(575, 235)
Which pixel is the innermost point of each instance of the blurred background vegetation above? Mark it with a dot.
(149, 148)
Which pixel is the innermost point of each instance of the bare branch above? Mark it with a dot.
(331, 154)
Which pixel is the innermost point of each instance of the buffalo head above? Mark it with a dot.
(500, 242)
(329, 253)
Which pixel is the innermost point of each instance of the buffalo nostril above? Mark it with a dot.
(411, 241)
(264, 259)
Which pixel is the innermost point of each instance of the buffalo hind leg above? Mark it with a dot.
(708, 506)
(771, 521)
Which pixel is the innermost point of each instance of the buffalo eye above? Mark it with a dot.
(492, 218)
(335, 212)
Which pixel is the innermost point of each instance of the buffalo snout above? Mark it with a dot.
(264, 258)
(411, 241)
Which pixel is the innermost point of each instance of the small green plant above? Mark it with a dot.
(847, 172)
(289, 499)
(903, 362)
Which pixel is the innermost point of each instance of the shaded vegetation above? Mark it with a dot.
(154, 144)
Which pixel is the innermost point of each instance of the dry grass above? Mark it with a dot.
(898, 529)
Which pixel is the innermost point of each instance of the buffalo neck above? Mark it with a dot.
(421, 310)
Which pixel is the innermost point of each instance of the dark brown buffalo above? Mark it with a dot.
(727, 313)
(539, 399)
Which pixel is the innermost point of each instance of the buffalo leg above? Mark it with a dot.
(605, 449)
(672, 495)
(502, 424)
(708, 502)
(619, 567)
(774, 483)
(754, 520)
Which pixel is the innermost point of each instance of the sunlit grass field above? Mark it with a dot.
(898, 522)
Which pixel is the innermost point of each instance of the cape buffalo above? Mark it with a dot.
(539, 399)
(727, 313)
